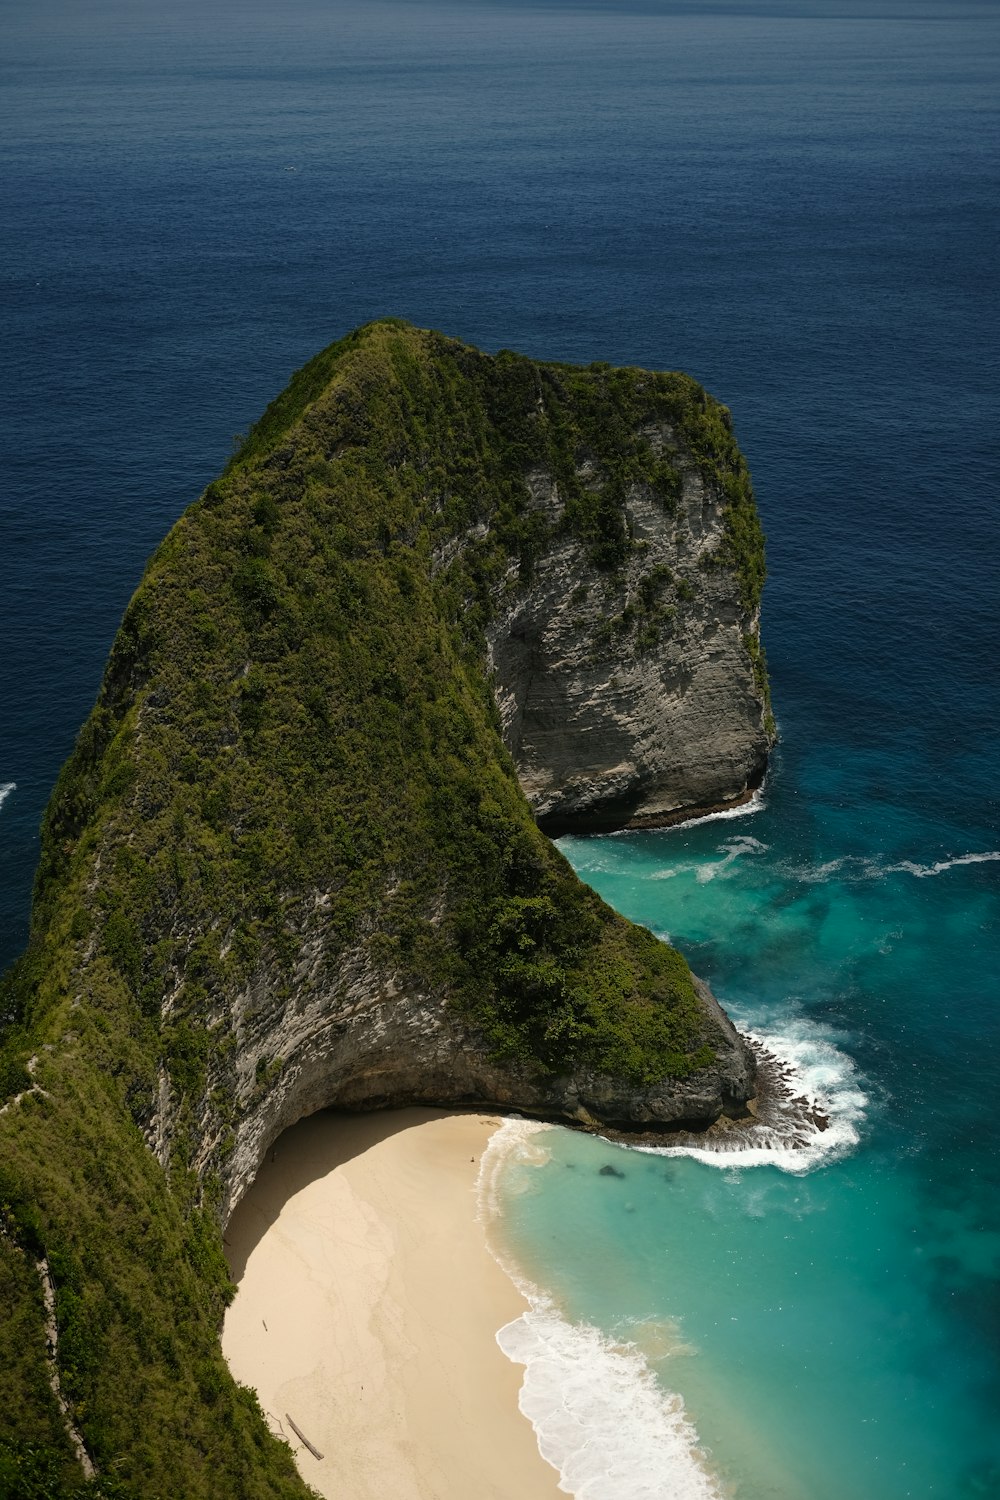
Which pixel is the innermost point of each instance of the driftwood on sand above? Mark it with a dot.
(301, 1435)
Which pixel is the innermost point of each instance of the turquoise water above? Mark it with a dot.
(826, 1310)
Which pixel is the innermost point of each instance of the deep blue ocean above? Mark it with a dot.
(797, 202)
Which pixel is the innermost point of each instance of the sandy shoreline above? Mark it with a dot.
(368, 1309)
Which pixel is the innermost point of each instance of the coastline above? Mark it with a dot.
(368, 1309)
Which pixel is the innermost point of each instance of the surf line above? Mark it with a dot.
(741, 807)
(618, 1435)
(754, 803)
(809, 1107)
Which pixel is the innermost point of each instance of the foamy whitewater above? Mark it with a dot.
(599, 1414)
(846, 867)
(753, 804)
(813, 1114)
(600, 1417)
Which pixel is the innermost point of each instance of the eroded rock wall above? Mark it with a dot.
(630, 699)
(372, 1041)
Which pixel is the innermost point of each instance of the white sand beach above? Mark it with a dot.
(368, 1308)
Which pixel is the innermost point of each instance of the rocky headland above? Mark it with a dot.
(440, 604)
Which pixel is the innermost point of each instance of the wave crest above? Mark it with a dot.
(599, 1415)
(753, 804)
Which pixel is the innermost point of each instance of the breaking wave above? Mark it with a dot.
(6, 787)
(810, 1110)
(754, 804)
(600, 1417)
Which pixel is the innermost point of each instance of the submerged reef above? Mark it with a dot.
(439, 605)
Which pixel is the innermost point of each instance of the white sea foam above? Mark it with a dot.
(515, 1137)
(733, 850)
(857, 867)
(846, 867)
(6, 787)
(754, 804)
(811, 1119)
(599, 1415)
(922, 871)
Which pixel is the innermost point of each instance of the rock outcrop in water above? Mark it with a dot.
(291, 865)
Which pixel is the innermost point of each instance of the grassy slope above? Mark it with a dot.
(296, 701)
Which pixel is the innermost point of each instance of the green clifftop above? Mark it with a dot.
(290, 862)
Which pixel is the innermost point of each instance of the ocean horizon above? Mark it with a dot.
(795, 202)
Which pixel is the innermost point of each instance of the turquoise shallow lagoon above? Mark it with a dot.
(822, 1304)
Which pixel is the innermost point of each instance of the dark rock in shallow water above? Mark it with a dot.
(609, 1171)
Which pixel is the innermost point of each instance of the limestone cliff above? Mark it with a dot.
(368, 1041)
(290, 863)
(633, 699)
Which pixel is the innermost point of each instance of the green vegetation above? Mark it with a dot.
(758, 659)
(295, 703)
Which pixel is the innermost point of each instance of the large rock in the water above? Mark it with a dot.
(291, 864)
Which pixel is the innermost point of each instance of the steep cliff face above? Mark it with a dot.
(291, 864)
(368, 1040)
(633, 698)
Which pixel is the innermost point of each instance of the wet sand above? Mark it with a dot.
(368, 1308)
